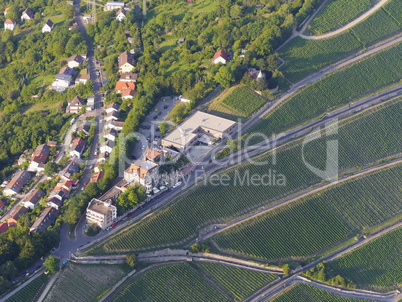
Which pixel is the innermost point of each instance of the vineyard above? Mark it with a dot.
(304, 57)
(376, 264)
(236, 281)
(31, 291)
(206, 204)
(216, 107)
(337, 13)
(304, 227)
(171, 282)
(244, 100)
(79, 282)
(308, 293)
(337, 88)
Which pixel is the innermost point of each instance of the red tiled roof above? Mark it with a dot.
(221, 53)
(9, 21)
(122, 85)
(3, 227)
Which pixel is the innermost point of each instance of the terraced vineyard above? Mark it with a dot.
(337, 13)
(79, 282)
(236, 281)
(244, 101)
(308, 293)
(171, 282)
(375, 264)
(340, 87)
(362, 139)
(304, 57)
(304, 227)
(31, 291)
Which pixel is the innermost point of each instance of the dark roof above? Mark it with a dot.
(29, 13)
(49, 23)
(126, 57)
(84, 127)
(34, 196)
(45, 219)
(3, 227)
(76, 58)
(114, 105)
(18, 212)
(129, 76)
(40, 154)
(18, 181)
(76, 101)
(78, 145)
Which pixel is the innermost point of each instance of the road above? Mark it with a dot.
(343, 28)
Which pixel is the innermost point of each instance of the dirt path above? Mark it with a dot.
(342, 29)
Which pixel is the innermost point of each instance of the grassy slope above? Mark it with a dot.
(313, 223)
(376, 264)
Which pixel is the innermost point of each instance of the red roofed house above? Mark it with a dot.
(221, 56)
(77, 148)
(38, 158)
(3, 227)
(122, 86)
(1, 205)
(97, 176)
(6, 11)
(13, 218)
(17, 183)
(10, 24)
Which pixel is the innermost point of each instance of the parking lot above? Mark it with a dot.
(149, 129)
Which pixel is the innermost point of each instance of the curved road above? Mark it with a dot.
(342, 29)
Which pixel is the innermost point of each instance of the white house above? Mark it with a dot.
(112, 116)
(113, 5)
(145, 173)
(107, 146)
(75, 105)
(33, 198)
(27, 15)
(112, 108)
(116, 125)
(110, 135)
(63, 79)
(221, 56)
(10, 24)
(75, 61)
(77, 148)
(38, 158)
(48, 27)
(121, 14)
(101, 213)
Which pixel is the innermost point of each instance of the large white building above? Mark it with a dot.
(113, 5)
(101, 213)
(200, 127)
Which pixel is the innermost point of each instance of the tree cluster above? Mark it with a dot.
(324, 273)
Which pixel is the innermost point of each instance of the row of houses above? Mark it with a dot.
(10, 24)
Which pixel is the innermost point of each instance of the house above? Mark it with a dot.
(66, 184)
(84, 127)
(12, 220)
(75, 105)
(46, 218)
(33, 198)
(10, 24)
(102, 157)
(3, 227)
(27, 15)
(121, 14)
(221, 56)
(153, 154)
(107, 146)
(112, 116)
(128, 94)
(82, 78)
(59, 192)
(113, 5)
(75, 61)
(48, 27)
(161, 155)
(63, 79)
(110, 135)
(200, 127)
(184, 99)
(2, 204)
(129, 77)
(255, 74)
(114, 107)
(97, 176)
(17, 183)
(69, 169)
(38, 158)
(126, 62)
(143, 172)
(77, 148)
(122, 86)
(55, 203)
(181, 40)
(116, 125)
(90, 103)
(52, 144)
(101, 213)
(6, 11)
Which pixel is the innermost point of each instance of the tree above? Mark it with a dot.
(224, 77)
(163, 127)
(261, 84)
(131, 260)
(286, 269)
(52, 264)
(51, 168)
(68, 11)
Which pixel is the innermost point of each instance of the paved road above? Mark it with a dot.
(342, 29)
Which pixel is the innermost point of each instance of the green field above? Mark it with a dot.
(31, 291)
(304, 227)
(244, 100)
(337, 13)
(362, 139)
(375, 264)
(340, 87)
(236, 281)
(304, 57)
(308, 293)
(87, 283)
(170, 282)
